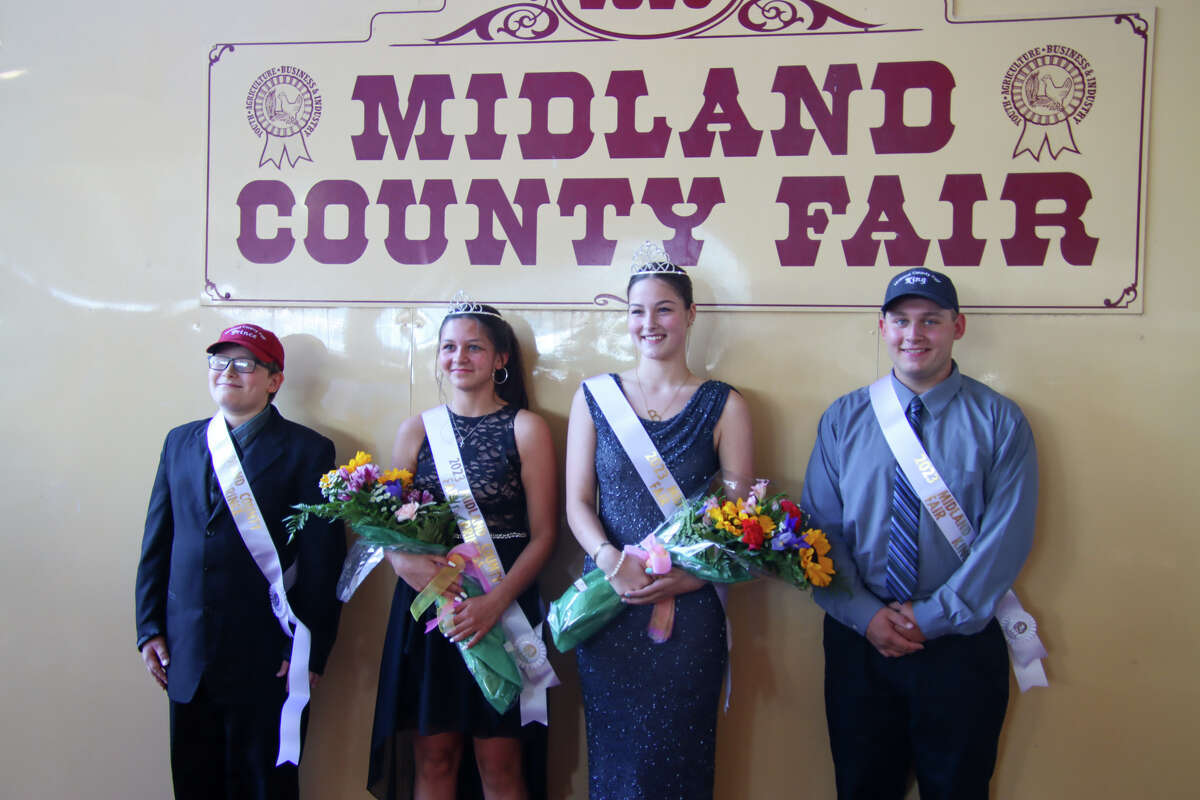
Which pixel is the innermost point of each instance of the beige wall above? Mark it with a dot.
(101, 216)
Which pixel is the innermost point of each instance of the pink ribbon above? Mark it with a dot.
(662, 618)
(468, 552)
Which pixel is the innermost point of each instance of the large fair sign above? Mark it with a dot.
(792, 154)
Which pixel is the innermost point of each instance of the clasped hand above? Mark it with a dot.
(418, 570)
(472, 618)
(894, 631)
(636, 587)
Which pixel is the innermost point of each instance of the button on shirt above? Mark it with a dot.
(981, 444)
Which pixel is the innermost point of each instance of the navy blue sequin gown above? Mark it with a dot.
(424, 685)
(651, 709)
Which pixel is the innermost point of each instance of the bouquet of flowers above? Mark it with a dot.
(727, 540)
(382, 508)
(386, 512)
(717, 537)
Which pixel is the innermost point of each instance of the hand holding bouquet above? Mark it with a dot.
(722, 536)
(386, 512)
(728, 540)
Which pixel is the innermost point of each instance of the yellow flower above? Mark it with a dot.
(717, 515)
(766, 523)
(729, 509)
(402, 475)
(817, 566)
(360, 458)
(816, 539)
(327, 478)
(749, 506)
(819, 572)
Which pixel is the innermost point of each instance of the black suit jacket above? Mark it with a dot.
(197, 583)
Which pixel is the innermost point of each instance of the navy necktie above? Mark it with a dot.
(906, 516)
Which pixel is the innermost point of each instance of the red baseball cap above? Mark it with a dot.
(261, 342)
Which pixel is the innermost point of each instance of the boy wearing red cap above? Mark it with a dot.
(224, 602)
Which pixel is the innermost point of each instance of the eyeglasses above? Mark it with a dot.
(219, 363)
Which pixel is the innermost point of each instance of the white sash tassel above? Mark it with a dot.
(253, 529)
(1020, 629)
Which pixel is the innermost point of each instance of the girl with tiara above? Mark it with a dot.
(435, 734)
(651, 709)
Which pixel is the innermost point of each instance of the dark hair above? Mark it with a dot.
(678, 281)
(272, 368)
(501, 335)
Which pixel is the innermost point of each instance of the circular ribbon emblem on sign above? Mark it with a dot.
(1044, 91)
(284, 105)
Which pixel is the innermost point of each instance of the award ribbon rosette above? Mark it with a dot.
(728, 533)
(1020, 629)
(386, 512)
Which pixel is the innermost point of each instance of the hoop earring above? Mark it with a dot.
(502, 380)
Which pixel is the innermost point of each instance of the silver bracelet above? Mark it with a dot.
(603, 545)
(608, 576)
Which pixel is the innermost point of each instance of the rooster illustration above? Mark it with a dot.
(1041, 92)
(283, 111)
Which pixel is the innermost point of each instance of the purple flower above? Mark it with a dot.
(362, 477)
(394, 488)
(783, 541)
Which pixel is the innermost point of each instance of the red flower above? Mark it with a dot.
(791, 508)
(752, 533)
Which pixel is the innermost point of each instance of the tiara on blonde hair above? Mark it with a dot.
(651, 258)
(461, 303)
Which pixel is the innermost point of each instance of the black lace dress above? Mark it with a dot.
(424, 686)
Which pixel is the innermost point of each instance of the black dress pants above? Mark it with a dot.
(937, 712)
(227, 751)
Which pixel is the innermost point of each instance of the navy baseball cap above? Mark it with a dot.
(921, 282)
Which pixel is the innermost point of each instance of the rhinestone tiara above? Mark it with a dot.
(651, 258)
(461, 303)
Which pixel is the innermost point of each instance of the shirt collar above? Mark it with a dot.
(245, 433)
(935, 399)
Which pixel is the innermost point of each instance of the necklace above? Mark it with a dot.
(650, 412)
(462, 439)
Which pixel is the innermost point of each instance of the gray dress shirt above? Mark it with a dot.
(981, 444)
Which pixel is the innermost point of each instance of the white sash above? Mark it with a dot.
(654, 473)
(1020, 629)
(253, 529)
(636, 443)
(524, 641)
